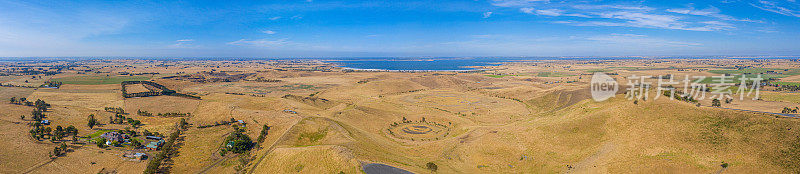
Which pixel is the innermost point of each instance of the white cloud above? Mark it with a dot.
(618, 7)
(274, 18)
(260, 43)
(528, 10)
(268, 32)
(776, 7)
(711, 11)
(183, 43)
(515, 3)
(483, 36)
(639, 40)
(638, 16)
(550, 12)
(646, 20)
(487, 14)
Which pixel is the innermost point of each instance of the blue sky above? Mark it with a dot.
(320, 28)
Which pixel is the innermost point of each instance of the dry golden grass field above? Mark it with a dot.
(519, 117)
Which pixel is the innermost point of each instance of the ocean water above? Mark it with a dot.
(417, 65)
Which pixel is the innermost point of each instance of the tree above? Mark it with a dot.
(56, 152)
(101, 143)
(64, 147)
(183, 124)
(48, 130)
(241, 142)
(13, 100)
(135, 123)
(431, 166)
(71, 130)
(59, 132)
(41, 105)
(136, 144)
(263, 135)
(22, 117)
(92, 121)
(715, 103)
(37, 115)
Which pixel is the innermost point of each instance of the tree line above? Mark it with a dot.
(40, 106)
(164, 90)
(787, 110)
(167, 150)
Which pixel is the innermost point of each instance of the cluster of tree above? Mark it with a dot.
(60, 132)
(141, 94)
(38, 104)
(92, 121)
(148, 133)
(432, 166)
(169, 114)
(39, 131)
(121, 119)
(422, 121)
(406, 120)
(174, 114)
(787, 110)
(716, 103)
(263, 135)
(164, 90)
(262, 79)
(788, 87)
(167, 150)
(236, 93)
(144, 113)
(59, 150)
(21, 101)
(238, 142)
(101, 142)
(678, 95)
(219, 123)
(136, 143)
(18, 86)
(37, 115)
(244, 161)
(182, 124)
(52, 84)
(36, 72)
(115, 110)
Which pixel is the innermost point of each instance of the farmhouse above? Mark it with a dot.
(155, 145)
(115, 136)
